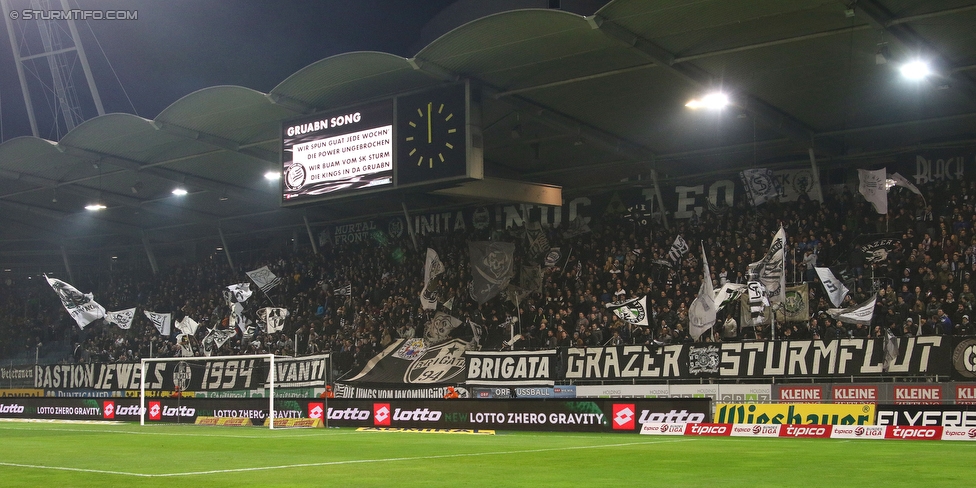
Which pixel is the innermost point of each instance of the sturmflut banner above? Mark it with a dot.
(929, 355)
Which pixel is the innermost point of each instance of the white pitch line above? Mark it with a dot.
(336, 463)
(232, 436)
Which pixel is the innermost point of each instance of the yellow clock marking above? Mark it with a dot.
(410, 138)
(430, 162)
(412, 151)
(420, 112)
(412, 124)
(448, 117)
(440, 155)
(430, 133)
(449, 145)
(451, 131)
(440, 108)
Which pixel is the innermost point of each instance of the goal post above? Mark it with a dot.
(269, 358)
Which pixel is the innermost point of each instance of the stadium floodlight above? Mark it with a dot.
(272, 175)
(711, 101)
(915, 70)
(95, 207)
(267, 357)
(179, 191)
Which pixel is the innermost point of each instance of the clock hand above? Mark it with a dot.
(430, 137)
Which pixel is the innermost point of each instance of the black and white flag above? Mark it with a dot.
(264, 278)
(215, 339)
(345, 291)
(874, 186)
(633, 310)
(491, 268)
(161, 321)
(761, 185)
(771, 269)
(836, 290)
(439, 328)
(757, 303)
(678, 249)
(81, 306)
(433, 267)
(858, 314)
(537, 242)
(187, 326)
(237, 293)
(122, 319)
(553, 257)
(273, 318)
(702, 312)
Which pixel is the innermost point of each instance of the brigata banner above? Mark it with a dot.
(794, 413)
(929, 355)
(189, 375)
(511, 368)
(927, 415)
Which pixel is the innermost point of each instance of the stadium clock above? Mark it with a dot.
(431, 137)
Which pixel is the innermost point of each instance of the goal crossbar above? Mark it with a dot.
(271, 379)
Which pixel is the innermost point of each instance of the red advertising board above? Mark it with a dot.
(918, 394)
(854, 394)
(801, 394)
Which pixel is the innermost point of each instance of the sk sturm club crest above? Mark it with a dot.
(703, 359)
(633, 310)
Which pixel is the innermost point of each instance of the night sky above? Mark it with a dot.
(176, 47)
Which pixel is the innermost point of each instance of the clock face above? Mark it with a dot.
(431, 136)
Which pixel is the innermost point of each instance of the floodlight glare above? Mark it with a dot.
(712, 101)
(915, 70)
(272, 175)
(179, 191)
(94, 207)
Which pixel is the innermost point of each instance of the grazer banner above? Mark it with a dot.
(929, 355)
(189, 375)
(925, 415)
(545, 415)
(511, 368)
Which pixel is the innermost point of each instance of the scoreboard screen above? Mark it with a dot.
(329, 154)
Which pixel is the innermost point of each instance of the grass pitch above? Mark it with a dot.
(72, 455)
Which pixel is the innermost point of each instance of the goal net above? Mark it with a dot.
(167, 382)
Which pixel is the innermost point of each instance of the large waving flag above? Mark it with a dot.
(491, 268)
(273, 318)
(678, 249)
(187, 326)
(701, 313)
(81, 306)
(761, 185)
(237, 293)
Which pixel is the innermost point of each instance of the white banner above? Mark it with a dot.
(701, 313)
(187, 326)
(761, 185)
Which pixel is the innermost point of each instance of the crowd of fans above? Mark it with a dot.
(925, 281)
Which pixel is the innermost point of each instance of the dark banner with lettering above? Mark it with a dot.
(929, 355)
(923, 415)
(511, 368)
(625, 416)
(16, 376)
(191, 374)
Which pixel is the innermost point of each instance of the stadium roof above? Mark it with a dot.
(582, 102)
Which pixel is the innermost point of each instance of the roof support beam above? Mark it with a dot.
(774, 117)
(259, 154)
